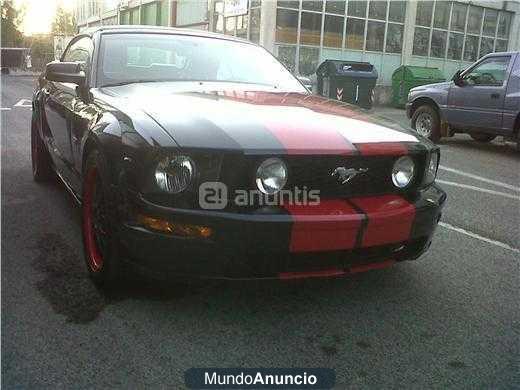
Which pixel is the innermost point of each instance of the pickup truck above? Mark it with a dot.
(482, 100)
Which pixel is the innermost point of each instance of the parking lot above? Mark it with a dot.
(448, 320)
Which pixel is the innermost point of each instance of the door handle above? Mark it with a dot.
(495, 95)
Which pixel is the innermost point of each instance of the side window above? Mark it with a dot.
(491, 72)
(79, 51)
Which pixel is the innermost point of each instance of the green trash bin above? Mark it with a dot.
(406, 77)
(348, 81)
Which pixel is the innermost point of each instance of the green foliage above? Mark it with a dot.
(64, 22)
(11, 18)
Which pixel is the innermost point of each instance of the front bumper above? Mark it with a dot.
(327, 239)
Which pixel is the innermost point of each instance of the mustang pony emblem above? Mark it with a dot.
(344, 175)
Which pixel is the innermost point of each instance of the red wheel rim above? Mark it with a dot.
(94, 256)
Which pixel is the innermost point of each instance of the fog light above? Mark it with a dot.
(177, 229)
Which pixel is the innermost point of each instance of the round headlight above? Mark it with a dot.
(174, 174)
(271, 176)
(403, 172)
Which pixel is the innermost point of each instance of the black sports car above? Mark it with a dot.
(196, 154)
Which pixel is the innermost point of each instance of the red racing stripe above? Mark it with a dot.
(390, 219)
(310, 138)
(328, 226)
(382, 149)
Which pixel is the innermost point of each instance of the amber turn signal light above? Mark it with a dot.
(178, 229)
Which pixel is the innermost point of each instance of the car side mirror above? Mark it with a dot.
(65, 72)
(457, 78)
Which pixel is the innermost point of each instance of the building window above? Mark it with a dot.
(333, 31)
(458, 17)
(375, 36)
(442, 14)
(475, 19)
(424, 13)
(421, 41)
(286, 26)
(504, 25)
(486, 46)
(355, 33)
(438, 47)
(455, 46)
(394, 38)
(357, 8)
(245, 26)
(312, 5)
(471, 48)
(456, 31)
(397, 11)
(375, 25)
(310, 28)
(377, 10)
(254, 25)
(335, 7)
(490, 22)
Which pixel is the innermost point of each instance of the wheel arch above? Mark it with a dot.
(422, 101)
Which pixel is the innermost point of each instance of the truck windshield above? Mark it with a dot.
(147, 57)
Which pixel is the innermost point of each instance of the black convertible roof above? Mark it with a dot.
(157, 29)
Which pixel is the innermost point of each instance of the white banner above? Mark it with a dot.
(235, 7)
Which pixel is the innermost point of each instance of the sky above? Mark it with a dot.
(39, 14)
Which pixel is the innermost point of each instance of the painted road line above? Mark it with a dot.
(23, 103)
(483, 179)
(5, 109)
(479, 237)
(485, 190)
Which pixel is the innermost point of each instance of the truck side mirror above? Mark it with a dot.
(457, 79)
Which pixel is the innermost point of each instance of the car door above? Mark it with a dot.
(60, 100)
(478, 101)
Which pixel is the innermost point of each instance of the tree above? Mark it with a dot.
(11, 18)
(64, 22)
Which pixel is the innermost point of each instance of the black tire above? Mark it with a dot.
(482, 137)
(41, 161)
(99, 226)
(427, 119)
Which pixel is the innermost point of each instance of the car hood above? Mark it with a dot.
(260, 121)
(444, 85)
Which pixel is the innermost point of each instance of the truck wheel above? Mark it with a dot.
(426, 121)
(481, 137)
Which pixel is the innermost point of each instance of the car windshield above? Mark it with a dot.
(146, 57)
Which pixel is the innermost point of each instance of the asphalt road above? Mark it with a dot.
(448, 320)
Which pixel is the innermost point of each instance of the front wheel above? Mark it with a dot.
(100, 244)
(481, 137)
(426, 122)
(41, 161)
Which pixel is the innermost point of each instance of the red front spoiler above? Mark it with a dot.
(331, 273)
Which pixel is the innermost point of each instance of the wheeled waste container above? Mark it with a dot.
(348, 81)
(406, 77)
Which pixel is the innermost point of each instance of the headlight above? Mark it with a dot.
(271, 176)
(403, 172)
(431, 169)
(174, 174)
